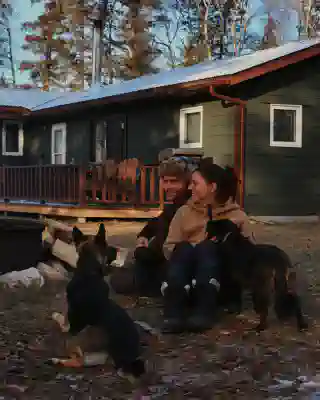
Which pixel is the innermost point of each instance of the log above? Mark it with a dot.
(52, 225)
(59, 230)
(65, 252)
(56, 272)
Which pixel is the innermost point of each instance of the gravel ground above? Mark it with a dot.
(229, 362)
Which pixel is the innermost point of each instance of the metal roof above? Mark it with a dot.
(36, 100)
(26, 98)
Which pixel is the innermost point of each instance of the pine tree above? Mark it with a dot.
(139, 55)
(60, 38)
(209, 26)
(6, 58)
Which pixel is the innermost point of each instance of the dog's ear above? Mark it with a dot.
(77, 236)
(100, 238)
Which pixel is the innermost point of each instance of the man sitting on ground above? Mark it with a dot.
(150, 264)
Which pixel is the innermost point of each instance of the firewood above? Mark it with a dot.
(55, 272)
(65, 252)
(53, 224)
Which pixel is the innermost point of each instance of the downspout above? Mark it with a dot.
(237, 157)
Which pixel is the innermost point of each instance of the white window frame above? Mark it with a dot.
(63, 127)
(298, 125)
(183, 126)
(20, 138)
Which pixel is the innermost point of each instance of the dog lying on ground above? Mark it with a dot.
(89, 305)
(264, 269)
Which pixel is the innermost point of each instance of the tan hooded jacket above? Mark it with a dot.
(190, 221)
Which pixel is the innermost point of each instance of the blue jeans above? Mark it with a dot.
(187, 263)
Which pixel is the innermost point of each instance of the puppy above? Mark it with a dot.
(89, 305)
(264, 269)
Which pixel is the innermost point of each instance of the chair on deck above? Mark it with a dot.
(127, 179)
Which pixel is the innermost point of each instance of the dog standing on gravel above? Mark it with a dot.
(264, 269)
(89, 305)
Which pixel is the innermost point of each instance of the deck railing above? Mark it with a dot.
(80, 185)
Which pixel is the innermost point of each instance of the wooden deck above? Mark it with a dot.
(80, 213)
(126, 191)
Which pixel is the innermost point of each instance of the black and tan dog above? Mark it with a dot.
(262, 268)
(89, 305)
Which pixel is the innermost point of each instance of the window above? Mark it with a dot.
(58, 143)
(191, 127)
(12, 138)
(285, 125)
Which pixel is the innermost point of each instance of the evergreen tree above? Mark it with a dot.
(60, 38)
(138, 52)
(6, 56)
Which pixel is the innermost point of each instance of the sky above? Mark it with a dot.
(26, 12)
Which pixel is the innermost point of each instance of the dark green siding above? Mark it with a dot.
(218, 132)
(78, 141)
(151, 129)
(37, 140)
(37, 137)
(280, 180)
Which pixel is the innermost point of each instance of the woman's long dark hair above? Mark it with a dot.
(225, 179)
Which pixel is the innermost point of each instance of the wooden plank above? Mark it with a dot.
(53, 224)
(81, 212)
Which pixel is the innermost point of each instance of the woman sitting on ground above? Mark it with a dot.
(193, 261)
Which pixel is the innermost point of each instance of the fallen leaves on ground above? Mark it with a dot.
(228, 362)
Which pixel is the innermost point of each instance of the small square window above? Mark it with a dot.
(12, 138)
(191, 127)
(285, 125)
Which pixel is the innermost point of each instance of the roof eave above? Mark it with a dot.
(259, 70)
(14, 113)
(14, 109)
(274, 65)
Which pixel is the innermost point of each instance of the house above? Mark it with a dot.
(258, 112)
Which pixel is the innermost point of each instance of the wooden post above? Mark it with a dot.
(82, 185)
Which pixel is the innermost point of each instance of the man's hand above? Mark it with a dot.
(142, 242)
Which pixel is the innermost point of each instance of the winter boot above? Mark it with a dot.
(204, 311)
(175, 302)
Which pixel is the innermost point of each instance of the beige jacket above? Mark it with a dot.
(190, 221)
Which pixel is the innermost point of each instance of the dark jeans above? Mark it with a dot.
(202, 264)
(149, 270)
(188, 263)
